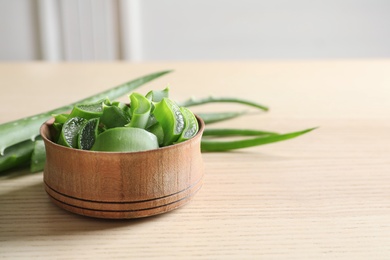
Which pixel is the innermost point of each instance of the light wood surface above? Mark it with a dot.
(325, 195)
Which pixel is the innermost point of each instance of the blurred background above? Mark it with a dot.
(156, 30)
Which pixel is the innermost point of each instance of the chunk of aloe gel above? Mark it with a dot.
(88, 134)
(157, 130)
(114, 116)
(168, 114)
(125, 139)
(157, 95)
(88, 111)
(191, 126)
(70, 130)
(140, 110)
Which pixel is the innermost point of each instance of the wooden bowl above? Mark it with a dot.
(121, 185)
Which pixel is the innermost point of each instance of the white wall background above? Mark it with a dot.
(139, 30)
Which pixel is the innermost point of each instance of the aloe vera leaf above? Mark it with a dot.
(140, 110)
(88, 134)
(16, 155)
(225, 132)
(28, 128)
(157, 95)
(60, 118)
(210, 118)
(125, 139)
(191, 126)
(151, 121)
(158, 131)
(119, 104)
(70, 131)
(211, 99)
(88, 111)
(113, 116)
(168, 114)
(38, 157)
(123, 106)
(59, 121)
(210, 145)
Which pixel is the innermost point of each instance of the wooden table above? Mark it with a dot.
(325, 195)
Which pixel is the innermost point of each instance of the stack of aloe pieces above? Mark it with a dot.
(21, 145)
(147, 122)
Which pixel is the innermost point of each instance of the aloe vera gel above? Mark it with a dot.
(147, 122)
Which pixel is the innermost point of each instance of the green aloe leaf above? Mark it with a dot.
(211, 99)
(209, 118)
(114, 116)
(60, 118)
(88, 134)
(225, 132)
(140, 108)
(157, 95)
(17, 155)
(213, 146)
(158, 131)
(70, 132)
(171, 119)
(125, 139)
(191, 126)
(38, 157)
(88, 111)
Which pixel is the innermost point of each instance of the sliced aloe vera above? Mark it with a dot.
(213, 146)
(88, 111)
(59, 121)
(38, 157)
(158, 131)
(168, 114)
(140, 110)
(88, 134)
(60, 118)
(191, 126)
(125, 139)
(122, 106)
(70, 131)
(114, 116)
(151, 121)
(157, 95)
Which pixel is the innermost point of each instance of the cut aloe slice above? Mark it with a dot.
(125, 139)
(151, 121)
(157, 95)
(158, 131)
(114, 116)
(168, 114)
(191, 126)
(140, 110)
(70, 131)
(87, 134)
(88, 111)
(60, 118)
(38, 156)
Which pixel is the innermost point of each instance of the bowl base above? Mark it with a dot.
(123, 209)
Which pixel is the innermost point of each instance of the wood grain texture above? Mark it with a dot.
(325, 195)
